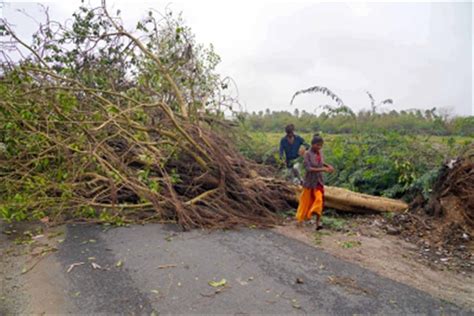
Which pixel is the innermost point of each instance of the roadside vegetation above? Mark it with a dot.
(387, 164)
(337, 121)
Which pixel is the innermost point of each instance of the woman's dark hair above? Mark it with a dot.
(317, 139)
(290, 129)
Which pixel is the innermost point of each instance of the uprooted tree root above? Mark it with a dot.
(444, 223)
(135, 151)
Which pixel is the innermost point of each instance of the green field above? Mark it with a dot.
(273, 138)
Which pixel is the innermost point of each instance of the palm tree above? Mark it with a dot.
(374, 105)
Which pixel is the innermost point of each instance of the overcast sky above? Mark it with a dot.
(418, 54)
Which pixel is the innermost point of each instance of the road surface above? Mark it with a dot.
(157, 269)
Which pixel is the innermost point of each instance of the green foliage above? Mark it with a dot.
(382, 164)
(387, 164)
(463, 126)
(351, 244)
(334, 223)
(322, 90)
(56, 110)
(318, 236)
(110, 219)
(341, 119)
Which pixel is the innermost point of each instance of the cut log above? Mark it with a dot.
(346, 200)
(334, 197)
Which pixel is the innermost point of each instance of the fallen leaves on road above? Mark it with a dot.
(295, 304)
(170, 237)
(218, 284)
(95, 266)
(72, 266)
(166, 266)
(241, 282)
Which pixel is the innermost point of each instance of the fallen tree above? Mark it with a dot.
(339, 198)
(101, 123)
(104, 124)
(346, 200)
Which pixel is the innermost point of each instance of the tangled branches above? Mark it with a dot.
(102, 122)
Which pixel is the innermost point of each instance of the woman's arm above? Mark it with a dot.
(323, 169)
(328, 166)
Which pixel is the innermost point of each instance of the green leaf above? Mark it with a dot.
(218, 284)
(113, 109)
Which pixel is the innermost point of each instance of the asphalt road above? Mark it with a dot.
(156, 269)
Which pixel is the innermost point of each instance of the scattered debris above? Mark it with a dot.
(119, 264)
(442, 224)
(243, 283)
(299, 281)
(218, 284)
(295, 304)
(95, 266)
(72, 266)
(167, 266)
(392, 230)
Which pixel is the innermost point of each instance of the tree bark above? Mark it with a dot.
(346, 200)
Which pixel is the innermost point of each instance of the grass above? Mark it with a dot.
(318, 237)
(334, 223)
(388, 215)
(351, 244)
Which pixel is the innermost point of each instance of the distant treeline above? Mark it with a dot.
(404, 122)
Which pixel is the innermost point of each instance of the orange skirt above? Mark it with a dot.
(311, 201)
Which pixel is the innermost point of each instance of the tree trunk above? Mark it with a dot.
(346, 200)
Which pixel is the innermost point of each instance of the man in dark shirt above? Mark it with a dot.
(290, 146)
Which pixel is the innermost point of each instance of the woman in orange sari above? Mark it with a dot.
(312, 198)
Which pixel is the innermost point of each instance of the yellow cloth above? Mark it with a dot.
(311, 201)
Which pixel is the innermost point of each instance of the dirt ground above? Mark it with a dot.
(24, 248)
(364, 241)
